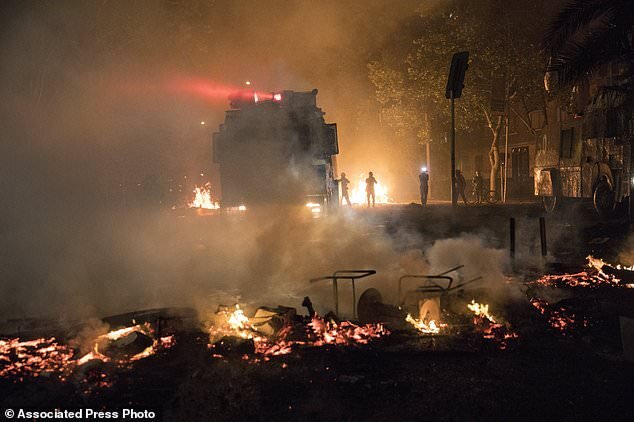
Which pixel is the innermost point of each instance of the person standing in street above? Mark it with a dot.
(423, 179)
(477, 187)
(344, 189)
(369, 188)
(461, 185)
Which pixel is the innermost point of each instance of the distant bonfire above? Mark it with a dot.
(202, 198)
(358, 195)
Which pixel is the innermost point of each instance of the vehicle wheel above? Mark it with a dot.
(603, 198)
(549, 203)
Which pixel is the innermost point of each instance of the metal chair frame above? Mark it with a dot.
(351, 275)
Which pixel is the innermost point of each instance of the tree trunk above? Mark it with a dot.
(494, 153)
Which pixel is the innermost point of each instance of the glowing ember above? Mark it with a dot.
(34, 358)
(202, 198)
(117, 334)
(344, 333)
(318, 332)
(279, 346)
(596, 263)
(92, 355)
(595, 277)
(358, 196)
(105, 339)
(167, 342)
(424, 327)
(559, 318)
(19, 359)
(148, 351)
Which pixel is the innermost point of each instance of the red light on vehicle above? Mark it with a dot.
(277, 97)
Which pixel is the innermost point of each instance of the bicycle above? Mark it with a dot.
(489, 197)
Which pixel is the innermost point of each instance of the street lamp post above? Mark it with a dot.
(455, 83)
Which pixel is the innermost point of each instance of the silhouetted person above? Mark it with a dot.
(477, 186)
(461, 185)
(344, 189)
(423, 179)
(369, 188)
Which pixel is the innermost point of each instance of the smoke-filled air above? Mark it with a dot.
(316, 210)
(102, 99)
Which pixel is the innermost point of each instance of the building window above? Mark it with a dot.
(520, 169)
(567, 137)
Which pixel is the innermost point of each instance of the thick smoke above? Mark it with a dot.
(261, 258)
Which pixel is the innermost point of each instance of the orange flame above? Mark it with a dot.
(489, 326)
(358, 195)
(430, 327)
(202, 198)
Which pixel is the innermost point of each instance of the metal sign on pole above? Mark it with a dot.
(455, 84)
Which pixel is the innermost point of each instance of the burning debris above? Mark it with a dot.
(491, 327)
(126, 345)
(49, 357)
(278, 331)
(268, 332)
(599, 274)
(585, 304)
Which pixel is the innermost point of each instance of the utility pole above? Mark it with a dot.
(455, 84)
(506, 149)
(454, 195)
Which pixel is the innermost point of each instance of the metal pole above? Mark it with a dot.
(506, 152)
(512, 238)
(454, 198)
(428, 164)
(354, 301)
(335, 294)
(542, 235)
